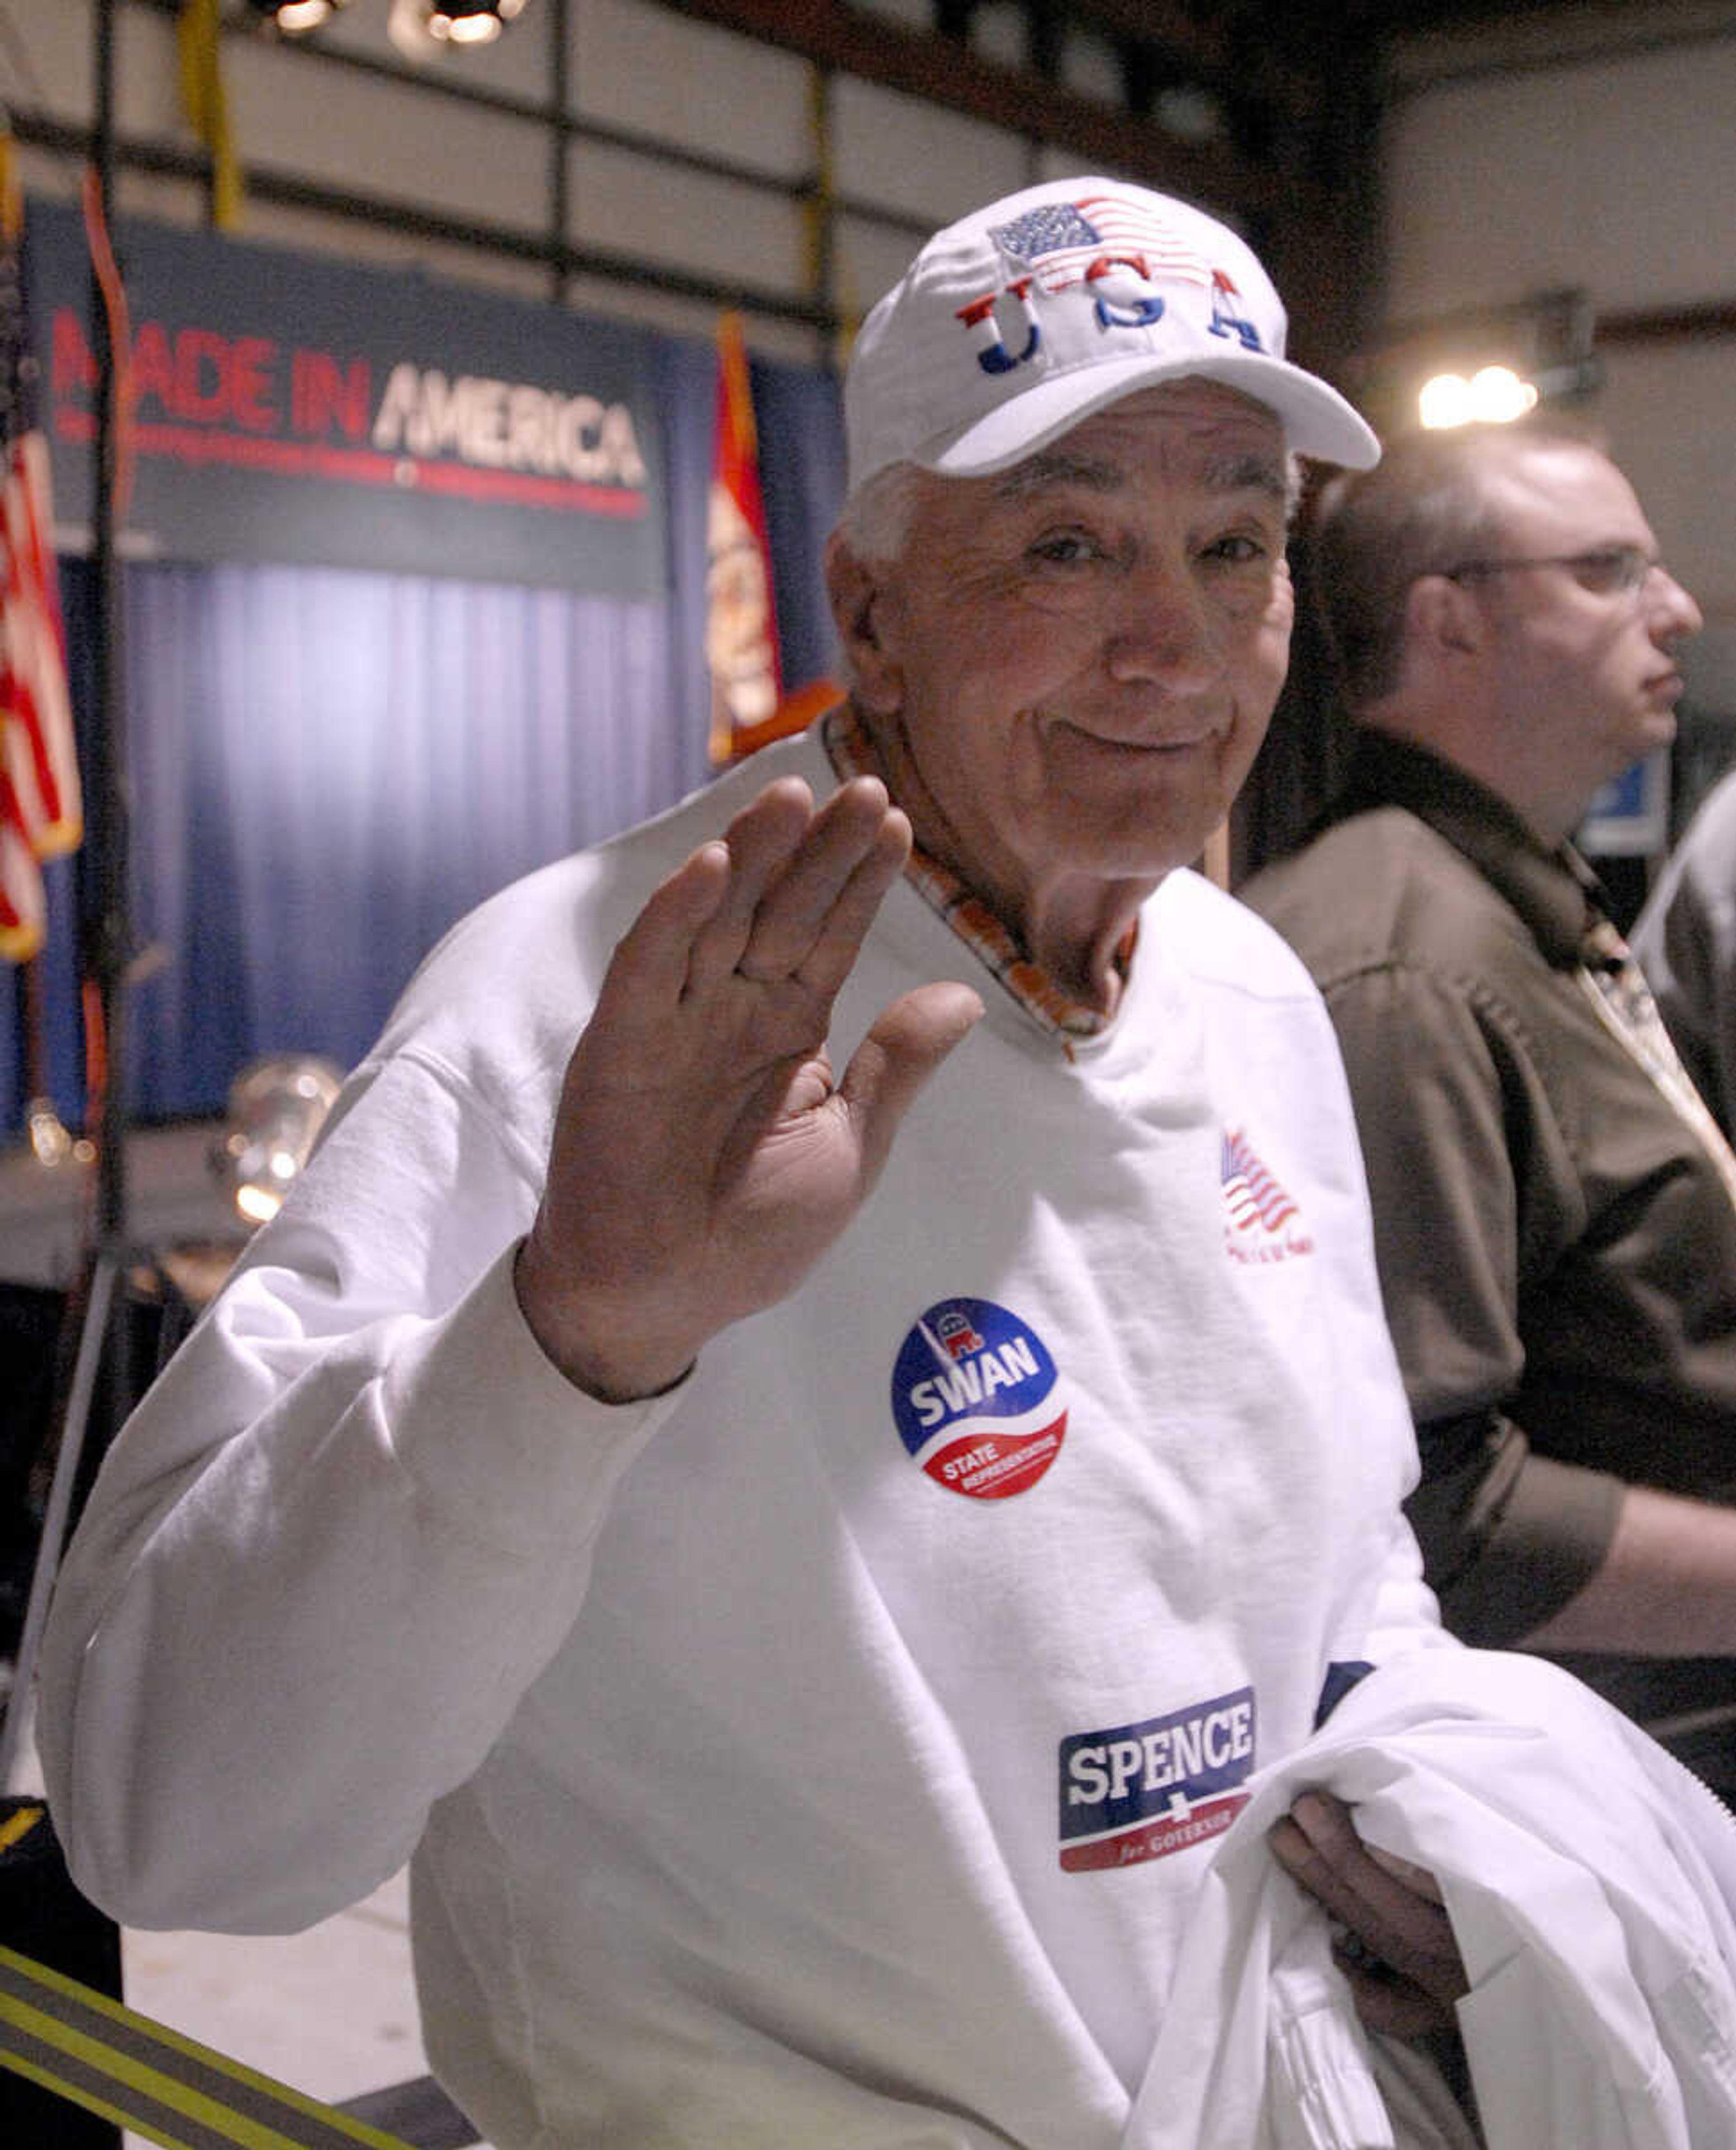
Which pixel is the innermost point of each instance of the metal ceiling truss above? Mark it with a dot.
(1283, 142)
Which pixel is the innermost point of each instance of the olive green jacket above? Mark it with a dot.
(1557, 1249)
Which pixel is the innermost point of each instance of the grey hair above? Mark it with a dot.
(876, 517)
(1294, 481)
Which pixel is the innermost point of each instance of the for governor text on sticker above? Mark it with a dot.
(977, 1400)
(1134, 1792)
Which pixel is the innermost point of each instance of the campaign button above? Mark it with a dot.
(977, 1400)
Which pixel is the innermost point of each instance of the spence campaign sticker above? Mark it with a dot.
(1134, 1792)
(976, 1399)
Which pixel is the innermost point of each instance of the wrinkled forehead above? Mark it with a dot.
(1197, 430)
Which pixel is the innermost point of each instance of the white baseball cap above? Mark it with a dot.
(1018, 322)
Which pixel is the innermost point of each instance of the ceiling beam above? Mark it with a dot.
(1258, 68)
(834, 35)
(1196, 47)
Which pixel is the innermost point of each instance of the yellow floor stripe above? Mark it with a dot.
(117, 2011)
(19, 1824)
(129, 2074)
(122, 2116)
(129, 2071)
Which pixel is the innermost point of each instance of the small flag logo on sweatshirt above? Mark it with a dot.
(1262, 1222)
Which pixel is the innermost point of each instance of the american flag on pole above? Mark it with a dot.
(40, 814)
(1255, 1199)
(1060, 241)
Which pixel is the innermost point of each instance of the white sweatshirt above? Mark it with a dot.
(829, 1751)
(1592, 1886)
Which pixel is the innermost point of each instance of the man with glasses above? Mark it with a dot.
(1554, 1215)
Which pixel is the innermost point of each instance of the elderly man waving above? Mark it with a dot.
(811, 1644)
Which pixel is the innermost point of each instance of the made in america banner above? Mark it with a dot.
(290, 407)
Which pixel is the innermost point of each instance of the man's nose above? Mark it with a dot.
(1162, 629)
(1675, 612)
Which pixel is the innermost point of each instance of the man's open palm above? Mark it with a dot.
(703, 1156)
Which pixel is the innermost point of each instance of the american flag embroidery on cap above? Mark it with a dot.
(1263, 1222)
(1060, 241)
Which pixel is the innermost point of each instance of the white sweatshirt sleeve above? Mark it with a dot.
(1406, 1617)
(349, 1527)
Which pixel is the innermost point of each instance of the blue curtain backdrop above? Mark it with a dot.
(328, 768)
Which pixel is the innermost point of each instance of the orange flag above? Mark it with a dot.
(741, 622)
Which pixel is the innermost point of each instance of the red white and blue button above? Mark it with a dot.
(977, 1400)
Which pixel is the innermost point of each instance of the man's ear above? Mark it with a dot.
(854, 589)
(1443, 618)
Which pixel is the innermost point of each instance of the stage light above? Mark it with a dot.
(293, 16)
(1494, 395)
(276, 1106)
(1484, 365)
(419, 27)
(470, 22)
(1444, 401)
(50, 1143)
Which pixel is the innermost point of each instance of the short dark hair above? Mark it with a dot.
(1423, 509)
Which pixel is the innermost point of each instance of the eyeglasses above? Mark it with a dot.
(1607, 571)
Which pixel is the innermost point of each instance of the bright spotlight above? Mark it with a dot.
(1498, 394)
(1444, 401)
(471, 21)
(1494, 395)
(293, 16)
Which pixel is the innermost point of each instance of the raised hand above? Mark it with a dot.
(1397, 1948)
(703, 1156)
